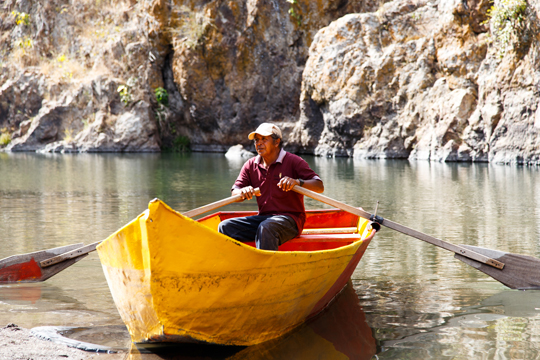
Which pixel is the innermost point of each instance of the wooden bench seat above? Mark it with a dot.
(313, 242)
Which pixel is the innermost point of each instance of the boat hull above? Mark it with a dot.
(174, 279)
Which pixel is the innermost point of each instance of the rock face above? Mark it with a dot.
(417, 80)
(234, 65)
(413, 79)
(60, 73)
(227, 66)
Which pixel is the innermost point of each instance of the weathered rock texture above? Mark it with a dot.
(401, 79)
(227, 66)
(60, 73)
(418, 80)
(231, 65)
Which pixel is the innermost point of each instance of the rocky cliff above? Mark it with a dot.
(400, 79)
(82, 75)
(423, 80)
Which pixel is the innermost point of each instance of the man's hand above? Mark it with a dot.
(287, 183)
(246, 192)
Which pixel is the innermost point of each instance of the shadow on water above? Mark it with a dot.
(515, 303)
(339, 332)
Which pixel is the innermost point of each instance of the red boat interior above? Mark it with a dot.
(323, 230)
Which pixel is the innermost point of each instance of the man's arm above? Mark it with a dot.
(313, 185)
(241, 186)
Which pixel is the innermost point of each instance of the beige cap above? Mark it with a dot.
(265, 129)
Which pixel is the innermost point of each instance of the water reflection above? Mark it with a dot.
(506, 326)
(341, 332)
(56, 303)
(406, 287)
(441, 322)
(25, 293)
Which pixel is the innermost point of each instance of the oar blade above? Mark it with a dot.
(26, 268)
(520, 271)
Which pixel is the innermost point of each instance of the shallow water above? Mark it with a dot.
(417, 299)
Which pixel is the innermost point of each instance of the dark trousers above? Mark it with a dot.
(268, 231)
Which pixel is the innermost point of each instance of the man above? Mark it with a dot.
(281, 211)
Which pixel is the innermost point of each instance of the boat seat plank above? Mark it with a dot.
(315, 242)
(325, 238)
(343, 230)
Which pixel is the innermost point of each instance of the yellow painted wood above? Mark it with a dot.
(126, 268)
(172, 277)
(211, 222)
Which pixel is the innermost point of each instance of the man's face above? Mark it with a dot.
(265, 145)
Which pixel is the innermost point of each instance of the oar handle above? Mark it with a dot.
(70, 255)
(402, 229)
(191, 213)
(216, 205)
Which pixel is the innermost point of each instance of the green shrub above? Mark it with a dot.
(507, 21)
(68, 135)
(125, 91)
(162, 96)
(5, 139)
(294, 11)
(181, 144)
(21, 18)
(125, 94)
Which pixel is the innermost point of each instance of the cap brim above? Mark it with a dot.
(251, 136)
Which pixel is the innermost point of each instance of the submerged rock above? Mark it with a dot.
(238, 152)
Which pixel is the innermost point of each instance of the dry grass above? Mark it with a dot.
(92, 22)
(188, 26)
(65, 70)
(24, 57)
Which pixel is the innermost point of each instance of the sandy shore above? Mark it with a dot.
(17, 343)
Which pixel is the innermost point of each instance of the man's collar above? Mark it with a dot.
(281, 156)
(279, 159)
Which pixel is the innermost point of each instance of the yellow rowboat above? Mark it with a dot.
(174, 279)
(338, 333)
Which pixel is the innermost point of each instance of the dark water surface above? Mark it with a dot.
(408, 299)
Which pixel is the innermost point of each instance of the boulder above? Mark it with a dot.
(238, 152)
(418, 80)
(132, 131)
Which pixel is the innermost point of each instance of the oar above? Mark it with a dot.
(513, 270)
(26, 267)
(41, 265)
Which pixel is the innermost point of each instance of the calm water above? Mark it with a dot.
(409, 299)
